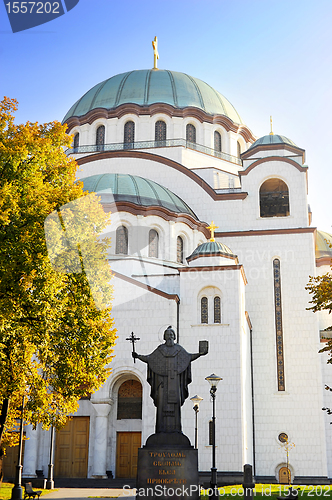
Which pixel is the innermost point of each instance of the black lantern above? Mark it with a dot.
(196, 400)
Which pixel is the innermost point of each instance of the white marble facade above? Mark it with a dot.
(243, 344)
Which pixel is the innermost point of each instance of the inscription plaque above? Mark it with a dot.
(167, 473)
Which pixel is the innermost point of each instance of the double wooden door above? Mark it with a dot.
(71, 449)
(10, 461)
(127, 453)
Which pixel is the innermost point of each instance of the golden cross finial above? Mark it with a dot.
(155, 52)
(271, 133)
(212, 227)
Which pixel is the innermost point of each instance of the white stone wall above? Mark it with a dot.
(297, 410)
(229, 215)
(226, 358)
(275, 411)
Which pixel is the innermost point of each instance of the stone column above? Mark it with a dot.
(101, 438)
(30, 453)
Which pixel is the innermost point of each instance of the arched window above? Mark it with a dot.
(100, 138)
(209, 306)
(129, 135)
(179, 250)
(76, 142)
(216, 310)
(238, 149)
(121, 240)
(217, 141)
(274, 198)
(130, 400)
(204, 310)
(160, 132)
(153, 243)
(191, 133)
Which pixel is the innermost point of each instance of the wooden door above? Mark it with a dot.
(284, 476)
(10, 461)
(71, 449)
(127, 453)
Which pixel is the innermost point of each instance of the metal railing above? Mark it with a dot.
(168, 143)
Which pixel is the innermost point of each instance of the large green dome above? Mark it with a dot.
(146, 87)
(134, 189)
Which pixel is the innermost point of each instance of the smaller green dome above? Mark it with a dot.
(134, 189)
(323, 242)
(272, 139)
(211, 249)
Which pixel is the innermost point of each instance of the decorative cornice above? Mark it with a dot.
(265, 232)
(148, 288)
(167, 109)
(270, 147)
(224, 255)
(283, 159)
(103, 155)
(106, 401)
(164, 213)
(323, 261)
(213, 269)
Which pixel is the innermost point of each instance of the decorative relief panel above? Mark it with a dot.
(278, 323)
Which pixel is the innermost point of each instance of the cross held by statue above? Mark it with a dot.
(132, 338)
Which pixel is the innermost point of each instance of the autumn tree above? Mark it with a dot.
(56, 332)
(320, 288)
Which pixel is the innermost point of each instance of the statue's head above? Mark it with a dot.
(169, 334)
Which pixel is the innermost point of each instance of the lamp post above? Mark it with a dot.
(213, 381)
(196, 400)
(50, 482)
(17, 490)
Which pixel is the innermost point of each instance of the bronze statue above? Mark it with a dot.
(169, 374)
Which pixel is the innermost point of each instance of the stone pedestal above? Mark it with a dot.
(167, 468)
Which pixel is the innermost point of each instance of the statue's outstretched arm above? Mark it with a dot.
(143, 358)
(203, 350)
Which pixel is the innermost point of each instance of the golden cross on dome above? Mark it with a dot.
(155, 52)
(212, 227)
(271, 133)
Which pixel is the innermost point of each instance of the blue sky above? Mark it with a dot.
(266, 57)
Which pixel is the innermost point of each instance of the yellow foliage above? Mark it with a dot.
(55, 342)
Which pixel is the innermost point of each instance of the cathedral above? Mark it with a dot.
(211, 233)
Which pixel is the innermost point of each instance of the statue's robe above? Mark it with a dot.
(169, 374)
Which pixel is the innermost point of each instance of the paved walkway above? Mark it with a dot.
(83, 493)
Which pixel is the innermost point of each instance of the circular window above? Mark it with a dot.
(283, 437)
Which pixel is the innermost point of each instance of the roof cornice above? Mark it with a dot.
(164, 213)
(270, 147)
(167, 109)
(283, 159)
(236, 267)
(264, 232)
(103, 155)
(168, 296)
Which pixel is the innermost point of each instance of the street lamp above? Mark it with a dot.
(213, 381)
(196, 400)
(50, 482)
(17, 490)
